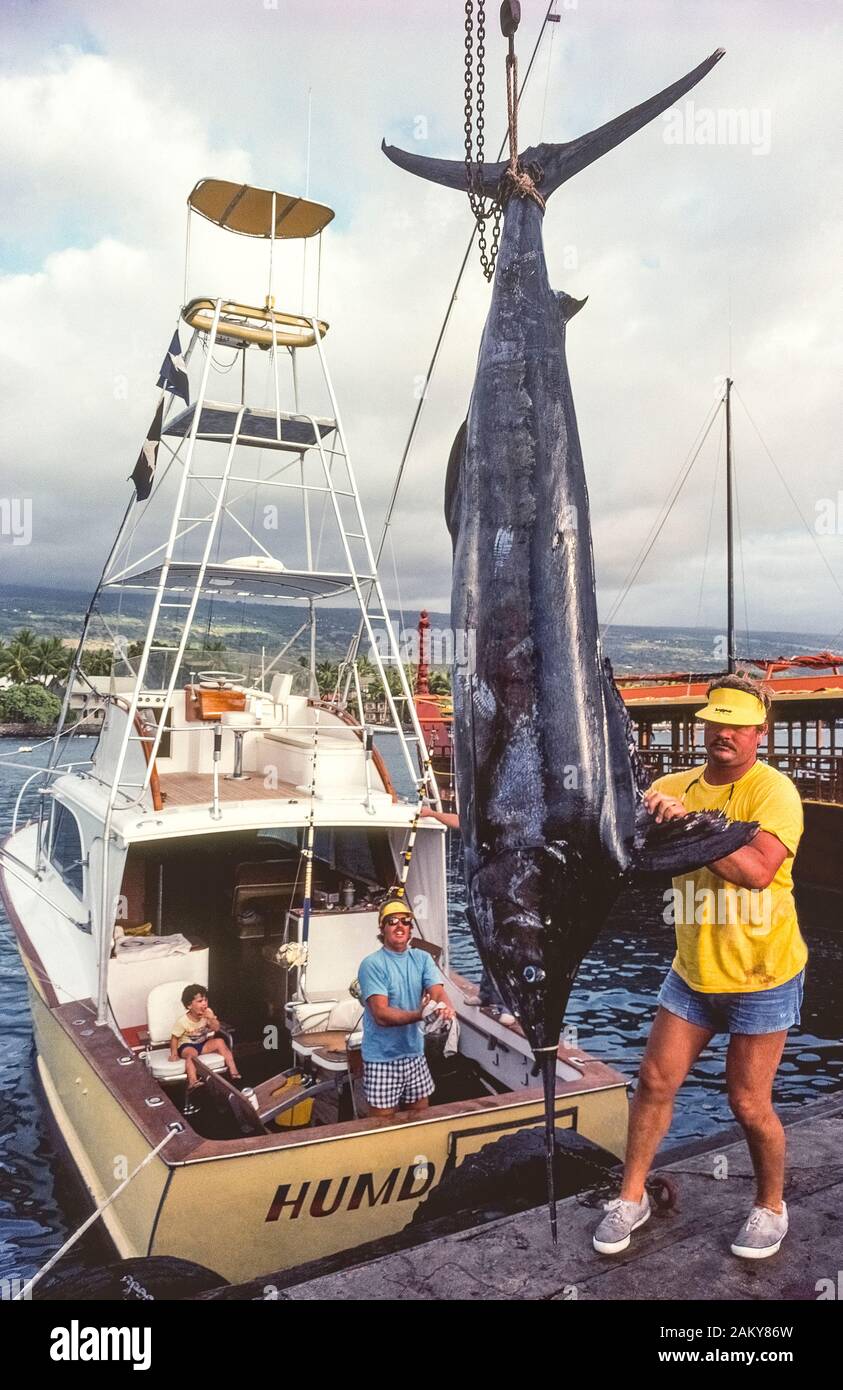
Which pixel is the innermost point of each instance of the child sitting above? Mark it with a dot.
(198, 1031)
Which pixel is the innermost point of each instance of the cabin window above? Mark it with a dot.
(359, 854)
(66, 851)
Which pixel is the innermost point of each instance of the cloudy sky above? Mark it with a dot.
(728, 212)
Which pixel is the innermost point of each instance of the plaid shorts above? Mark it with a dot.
(404, 1078)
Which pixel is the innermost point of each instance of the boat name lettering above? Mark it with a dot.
(319, 1199)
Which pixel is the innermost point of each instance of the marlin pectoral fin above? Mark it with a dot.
(679, 846)
(452, 480)
(640, 775)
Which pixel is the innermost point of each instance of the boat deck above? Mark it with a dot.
(197, 789)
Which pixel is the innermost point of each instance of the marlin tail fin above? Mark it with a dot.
(558, 163)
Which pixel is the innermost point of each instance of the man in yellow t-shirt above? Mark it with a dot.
(739, 965)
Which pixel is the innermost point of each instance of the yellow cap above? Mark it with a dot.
(393, 907)
(727, 706)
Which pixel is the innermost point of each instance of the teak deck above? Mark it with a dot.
(197, 789)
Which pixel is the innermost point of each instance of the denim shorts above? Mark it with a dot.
(762, 1011)
(198, 1045)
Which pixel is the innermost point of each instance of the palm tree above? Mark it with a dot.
(51, 659)
(18, 660)
(326, 677)
(97, 661)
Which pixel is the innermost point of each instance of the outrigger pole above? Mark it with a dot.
(311, 835)
(730, 545)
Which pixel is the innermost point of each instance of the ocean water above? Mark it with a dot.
(611, 1009)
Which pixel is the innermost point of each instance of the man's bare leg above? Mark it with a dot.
(672, 1048)
(383, 1117)
(416, 1107)
(752, 1061)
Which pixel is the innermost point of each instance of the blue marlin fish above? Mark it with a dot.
(550, 786)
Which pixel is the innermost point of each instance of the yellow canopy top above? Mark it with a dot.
(239, 208)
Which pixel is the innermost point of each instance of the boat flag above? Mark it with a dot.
(173, 374)
(144, 470)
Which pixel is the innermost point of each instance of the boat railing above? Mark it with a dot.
(59, 770)
(817, 776)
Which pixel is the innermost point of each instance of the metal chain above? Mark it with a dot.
(474, 175)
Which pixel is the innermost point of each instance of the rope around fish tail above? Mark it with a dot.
(311, 831)
(546, 1057)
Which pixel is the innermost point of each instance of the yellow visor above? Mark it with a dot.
(395, 907)
(733, 707)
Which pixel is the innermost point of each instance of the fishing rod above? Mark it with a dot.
(400, 888)
(311, 833)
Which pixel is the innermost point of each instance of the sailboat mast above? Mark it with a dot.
(730, 549)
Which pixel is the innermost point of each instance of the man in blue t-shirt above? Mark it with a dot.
(396, 984)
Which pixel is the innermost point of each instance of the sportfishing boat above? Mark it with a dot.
(235, 829)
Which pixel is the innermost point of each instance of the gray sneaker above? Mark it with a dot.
(621, 1219)
(761, 1234)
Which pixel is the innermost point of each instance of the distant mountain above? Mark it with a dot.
(246, 628)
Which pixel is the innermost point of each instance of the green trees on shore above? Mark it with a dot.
(28, 704)
(34, 665)
(26, 657)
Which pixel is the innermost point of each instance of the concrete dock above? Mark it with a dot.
(682, 1253)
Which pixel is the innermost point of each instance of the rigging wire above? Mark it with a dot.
(740, 548)
(547, 75)
(667, 508)
(718, 466)
(786, 487)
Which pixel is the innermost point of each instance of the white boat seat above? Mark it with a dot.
(327, 1029)
(334, 742)
(163, 1007)
(311, 1014)
(327, 1047)
(236, 719)
(337, 944)
(280, 687)
(164, 1070)
(335, 1015)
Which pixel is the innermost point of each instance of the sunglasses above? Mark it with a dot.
(397, 921)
